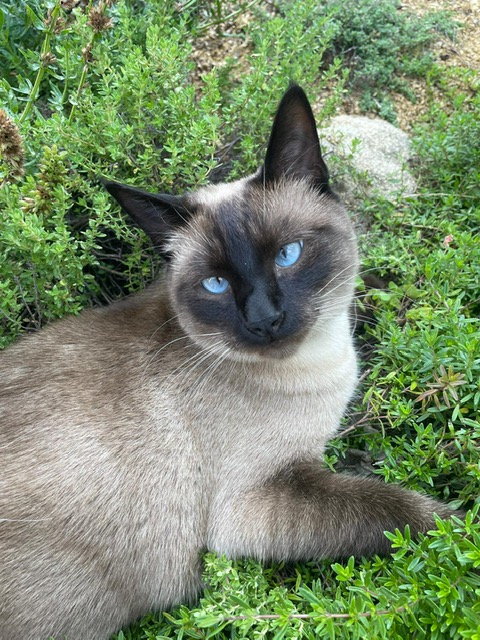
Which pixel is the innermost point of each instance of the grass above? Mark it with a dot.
(107, 90)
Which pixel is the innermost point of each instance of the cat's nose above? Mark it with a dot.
(267, 327)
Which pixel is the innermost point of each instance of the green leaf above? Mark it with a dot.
(207, 620)
(37, 22)
(281, 633)
(242, 603)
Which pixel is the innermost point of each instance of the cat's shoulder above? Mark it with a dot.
(137, 318)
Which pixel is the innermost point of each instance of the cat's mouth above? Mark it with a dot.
(268, 346)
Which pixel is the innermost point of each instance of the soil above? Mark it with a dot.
(219, 42)
(463, 52)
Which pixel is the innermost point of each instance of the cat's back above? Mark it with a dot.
(76, 402)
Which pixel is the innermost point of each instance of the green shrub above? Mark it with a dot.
(109, 91)
(382, 44)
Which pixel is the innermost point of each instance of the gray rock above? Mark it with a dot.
(367, 156)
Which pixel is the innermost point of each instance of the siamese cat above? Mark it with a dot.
(193, 415)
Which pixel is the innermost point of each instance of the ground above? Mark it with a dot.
(464, 51)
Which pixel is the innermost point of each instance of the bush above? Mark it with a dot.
(109, 90)
(382, 45)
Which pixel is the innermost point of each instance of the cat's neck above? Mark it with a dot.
(325, 357)
(325, 360)
(327, 343)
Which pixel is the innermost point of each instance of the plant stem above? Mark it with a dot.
(79, 90)
(230, 16)
(42, 68)
(67, 75)
(310, 616)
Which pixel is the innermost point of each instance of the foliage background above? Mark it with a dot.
(111, 88)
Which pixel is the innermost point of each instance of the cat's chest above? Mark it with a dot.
(247, 418)
(250, 415)
(311, 404)
(247, 432)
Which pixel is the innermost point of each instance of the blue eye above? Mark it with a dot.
(289, 254)
(215, 284)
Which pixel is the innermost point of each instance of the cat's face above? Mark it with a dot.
(256, 266)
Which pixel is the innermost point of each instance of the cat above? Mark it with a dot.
(192, 415)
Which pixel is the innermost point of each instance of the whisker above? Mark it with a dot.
(191, 361)
(188, 337)
(157, 351)
(202, 382)
(347, 280)
(338, 301)
(177, 315)
(203, 357)
(337, 275)
(197, 360)
(342, 303)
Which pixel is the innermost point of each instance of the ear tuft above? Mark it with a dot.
(157, 214)
(294, 149)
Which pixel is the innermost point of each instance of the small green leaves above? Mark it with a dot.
(344, 573)
(33, 19)
(384, 46)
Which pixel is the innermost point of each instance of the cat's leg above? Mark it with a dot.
(307, 512)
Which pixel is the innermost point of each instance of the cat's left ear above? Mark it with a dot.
(294, 149)
(157, 214)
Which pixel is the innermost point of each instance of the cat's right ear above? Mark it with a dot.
(294, 149)
(157, 214)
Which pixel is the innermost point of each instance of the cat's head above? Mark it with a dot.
(255, 266)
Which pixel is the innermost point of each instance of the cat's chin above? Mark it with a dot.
(317, 343)
(278, 350)
(262, 355)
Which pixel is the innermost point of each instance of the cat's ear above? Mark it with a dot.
(294, 149)
(156, 214)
